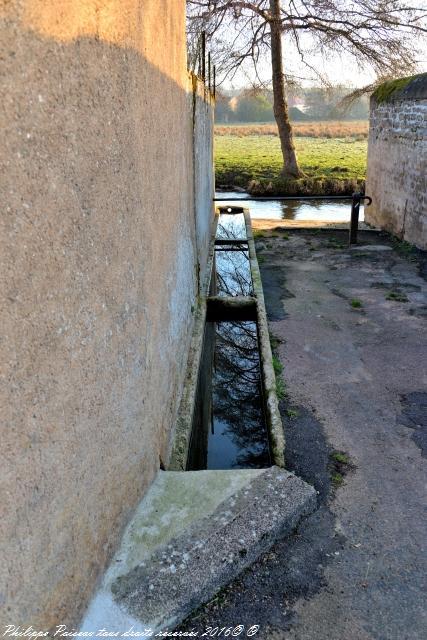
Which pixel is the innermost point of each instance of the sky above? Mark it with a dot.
(336, 69)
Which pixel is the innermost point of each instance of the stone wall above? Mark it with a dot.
(397, 160)
(106, 214)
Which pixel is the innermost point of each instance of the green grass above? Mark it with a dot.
(339, 465)
(280, 383)
(277, 366)
(292, 413)
(337, 479)
(338, 456)
(356, 304)
(334, 243)
(397, 296)
(274, 343)
(239, 160)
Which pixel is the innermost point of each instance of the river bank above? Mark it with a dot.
(334, 166)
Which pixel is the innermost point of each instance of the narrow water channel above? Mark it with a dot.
(229, 426)
(238, 434)
(232, 271)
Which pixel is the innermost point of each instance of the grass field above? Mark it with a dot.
(332, 165)
(324, 129)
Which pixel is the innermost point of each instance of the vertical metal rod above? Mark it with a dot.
(354, 220)
(203, 55)
(214, 81)
(209, 70)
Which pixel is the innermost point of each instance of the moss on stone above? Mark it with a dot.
(386, 91)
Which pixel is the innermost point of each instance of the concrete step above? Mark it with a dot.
(192, 534)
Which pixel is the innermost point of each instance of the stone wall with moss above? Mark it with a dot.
(397, 159)
(103, 241)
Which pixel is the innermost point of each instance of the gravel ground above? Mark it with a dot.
(349, 326)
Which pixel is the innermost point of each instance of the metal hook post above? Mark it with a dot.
(357, 198)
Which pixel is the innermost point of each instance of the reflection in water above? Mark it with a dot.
(327, 210)
(238, 436)
(233, 274)
(231, 226)
(229, 427)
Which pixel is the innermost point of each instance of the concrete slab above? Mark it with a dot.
(190, 536)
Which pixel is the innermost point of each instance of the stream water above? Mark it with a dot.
(328, 210)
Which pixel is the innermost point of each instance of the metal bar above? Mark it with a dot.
(231, 249)
(354, 218)
(209, 70)
(203, 55)
(227, 241)
(214, 81)
(273, 198)
(199, 59)
(357, 199)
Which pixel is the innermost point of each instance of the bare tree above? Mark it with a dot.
(380, 34)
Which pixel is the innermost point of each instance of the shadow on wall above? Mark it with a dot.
(99, 275)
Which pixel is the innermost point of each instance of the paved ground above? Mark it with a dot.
(356, 421)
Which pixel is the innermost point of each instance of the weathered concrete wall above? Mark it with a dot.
(203, 186)
(101, 245)
(397, 160)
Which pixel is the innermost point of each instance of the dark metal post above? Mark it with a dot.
(214, 81)
(357, 198)
(203, 55)
(354, 220)
(209, 70)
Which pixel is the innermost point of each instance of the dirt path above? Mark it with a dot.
(350, 331)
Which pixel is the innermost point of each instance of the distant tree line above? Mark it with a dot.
(314, 103)
(385, 37)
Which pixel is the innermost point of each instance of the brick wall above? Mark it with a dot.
(397, 162)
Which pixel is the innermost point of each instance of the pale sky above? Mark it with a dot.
(338, 70)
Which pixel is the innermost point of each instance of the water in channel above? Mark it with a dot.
(232, 271)
(229, 429)
(238, 434)
(334, 210)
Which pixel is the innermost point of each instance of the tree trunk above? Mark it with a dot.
(280, 106)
